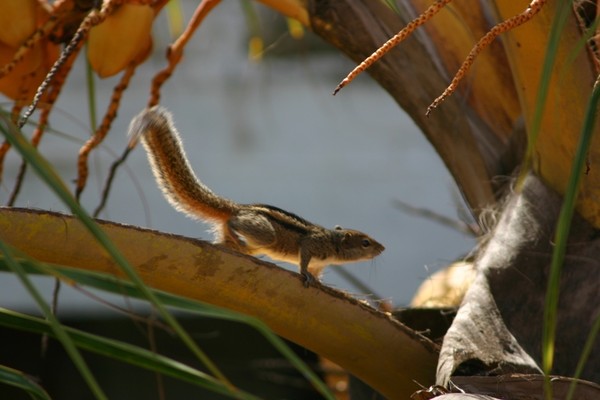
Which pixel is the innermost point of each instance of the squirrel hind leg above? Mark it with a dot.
(250, 232)
(231, 240)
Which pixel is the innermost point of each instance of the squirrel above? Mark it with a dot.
(254, 229)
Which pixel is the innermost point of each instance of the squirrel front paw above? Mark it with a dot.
(309, 279)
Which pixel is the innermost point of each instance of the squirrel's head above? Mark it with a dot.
(352, 245)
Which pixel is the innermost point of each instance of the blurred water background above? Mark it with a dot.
(268, 132)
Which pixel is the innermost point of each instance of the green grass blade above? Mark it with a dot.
(585, 353)
(91, 90)
(562, 234)
(117, 286)
(47, 174)
(108, 283)
(558, 24)
(174, 18)
(56, 326)
(392, 5)
(18, 379)
(589, 344)
(563, 12)
(117, 350)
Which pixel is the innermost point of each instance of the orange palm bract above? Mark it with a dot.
(18, 20)
(22, 82)
(120, 38)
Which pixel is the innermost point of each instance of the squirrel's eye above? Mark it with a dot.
(366, 243)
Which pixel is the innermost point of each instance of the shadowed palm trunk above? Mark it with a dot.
(481, 133)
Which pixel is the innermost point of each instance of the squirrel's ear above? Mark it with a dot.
(347, 236)
(338, 228)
